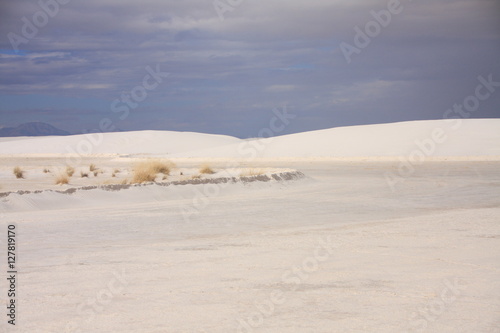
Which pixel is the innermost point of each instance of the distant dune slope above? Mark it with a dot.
(137, 142)
(467, 137)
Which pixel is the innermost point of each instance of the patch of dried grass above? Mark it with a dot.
(146, 171)
(70, 171)
(62, 179)
(252, 172)
(206, 169)
(18, 172)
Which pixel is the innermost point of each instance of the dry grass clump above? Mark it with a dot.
(146, 171)
(70, 171)
(62, 179)
(84, 174)
(96, 173)
(18, 172)
(92, 167)
(124, 182)
(46, 170)
(206, 169)
(143, 176)
(252, 172)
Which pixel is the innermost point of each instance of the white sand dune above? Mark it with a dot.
(471, 137)
(136, 142)
(467, 137)
(337, 251)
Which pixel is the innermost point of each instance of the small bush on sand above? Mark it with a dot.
(18, 172)
(46, 170)
(143, 176)
(146, 171)
(92, 167)
(96, 173)
(206, 170)
(70, 171)
(62, 179)
(84, 174)
(124, 182)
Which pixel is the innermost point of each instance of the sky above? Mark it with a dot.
(231, 66)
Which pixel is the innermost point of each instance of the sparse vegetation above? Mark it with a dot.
(92, 167)
(62, 179)
(46, 170)
(252, 172)
(124, 182)
(70, 171)
(18, 172)
(84, 174)
(195, 176)
(116, 171)
(206, 169)
(96, 173)
(146, 171)
(113, 174)
(143, 176)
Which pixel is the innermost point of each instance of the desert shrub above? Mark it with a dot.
(92, 167)
(124, 182)
(18, 172)
(62, 179)
(206, 169)
(143, 176)
(84, 174)
(46, 170)
(70, 171)
(146, 171)
(96, 173)
(159, 166)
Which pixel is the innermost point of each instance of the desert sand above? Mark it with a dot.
(393, 228)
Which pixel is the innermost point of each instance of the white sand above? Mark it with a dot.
(336, 252)
(435, 138)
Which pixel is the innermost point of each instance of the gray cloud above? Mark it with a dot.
(227, 76)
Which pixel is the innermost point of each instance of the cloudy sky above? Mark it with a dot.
(225, 65)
